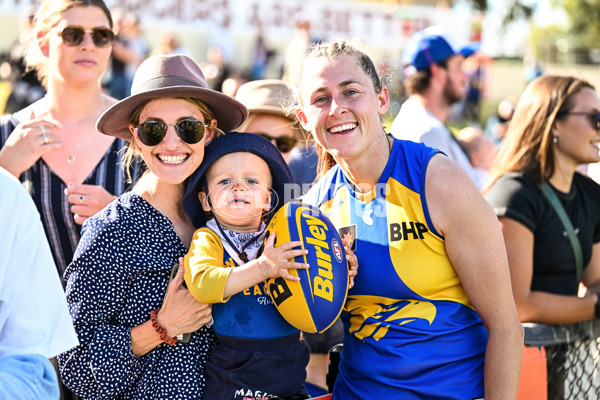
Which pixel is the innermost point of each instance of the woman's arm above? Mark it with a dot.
(538, 306)
(591, 274)
(179, 313)
(474, 245)
(104, 366)
(27, 143)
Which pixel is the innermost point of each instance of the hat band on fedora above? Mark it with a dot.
(167, 81)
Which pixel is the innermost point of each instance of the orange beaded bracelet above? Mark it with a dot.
(160, 330)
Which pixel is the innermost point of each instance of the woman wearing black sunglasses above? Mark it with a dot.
(268, 101)
(70, 169)
(554, 129)
(127, 316)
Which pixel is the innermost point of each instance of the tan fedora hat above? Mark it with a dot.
(270, 96)
(170, 76)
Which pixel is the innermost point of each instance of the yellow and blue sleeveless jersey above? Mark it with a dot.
(410, 329)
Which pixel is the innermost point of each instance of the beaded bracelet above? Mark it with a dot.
(160, 330)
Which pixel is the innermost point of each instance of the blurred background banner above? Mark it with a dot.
(382, 25)
(250, 39)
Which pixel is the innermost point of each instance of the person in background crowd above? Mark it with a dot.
(299, 43)
(261, 57)
(481, 151)
(26, 87)
(231, 85)
(217, 67)
(268, 101)
(480, 148)
(169, 44)
(127, 326)
(129, 50)
(497, 124)
(431, 313)
(116, 83)
(435, 80)
(555, 128)
(532, 68)
(473, 66)
(35, 324)
(52, 146)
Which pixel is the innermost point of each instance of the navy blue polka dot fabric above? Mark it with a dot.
(118, 275)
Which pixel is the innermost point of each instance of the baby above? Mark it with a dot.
(232, 196)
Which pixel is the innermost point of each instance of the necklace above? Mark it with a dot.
(85, 121)
(156, 204)
(71, 156)
(241, 253)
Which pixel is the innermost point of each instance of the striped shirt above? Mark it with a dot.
(48, 192)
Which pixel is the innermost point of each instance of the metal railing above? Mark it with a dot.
(573, 354)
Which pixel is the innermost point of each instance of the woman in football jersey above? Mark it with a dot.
(431, 313)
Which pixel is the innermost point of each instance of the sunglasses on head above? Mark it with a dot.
(593, 116)
(73, 36)
(152, 133)
(283, 143)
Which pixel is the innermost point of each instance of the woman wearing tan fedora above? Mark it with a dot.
(126, 314)
(268, 102)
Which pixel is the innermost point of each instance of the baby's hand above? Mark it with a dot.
(274, 260)
(352, 264)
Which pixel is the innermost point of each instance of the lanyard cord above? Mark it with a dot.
(241, 253)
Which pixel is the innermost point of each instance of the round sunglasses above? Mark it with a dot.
(73, 36)
(283, 143)
(152, 133)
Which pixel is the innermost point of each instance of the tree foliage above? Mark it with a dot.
(480, 5)
(518, 10)
(584, 22)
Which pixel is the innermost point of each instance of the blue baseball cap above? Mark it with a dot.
(430, 46)
(470, 49)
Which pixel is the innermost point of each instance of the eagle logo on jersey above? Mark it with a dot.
(371, 316)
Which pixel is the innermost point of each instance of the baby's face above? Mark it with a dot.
(239, 188)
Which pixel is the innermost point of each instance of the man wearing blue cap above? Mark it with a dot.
(434, 80)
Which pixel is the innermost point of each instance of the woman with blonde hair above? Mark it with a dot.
(129, 319)
(433, 293)
(52, 146)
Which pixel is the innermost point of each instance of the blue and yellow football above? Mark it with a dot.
(316, 301)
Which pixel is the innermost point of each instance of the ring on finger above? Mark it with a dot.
(81, 198)
(44, 136)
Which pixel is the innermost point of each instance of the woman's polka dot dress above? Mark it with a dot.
(118, 275)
